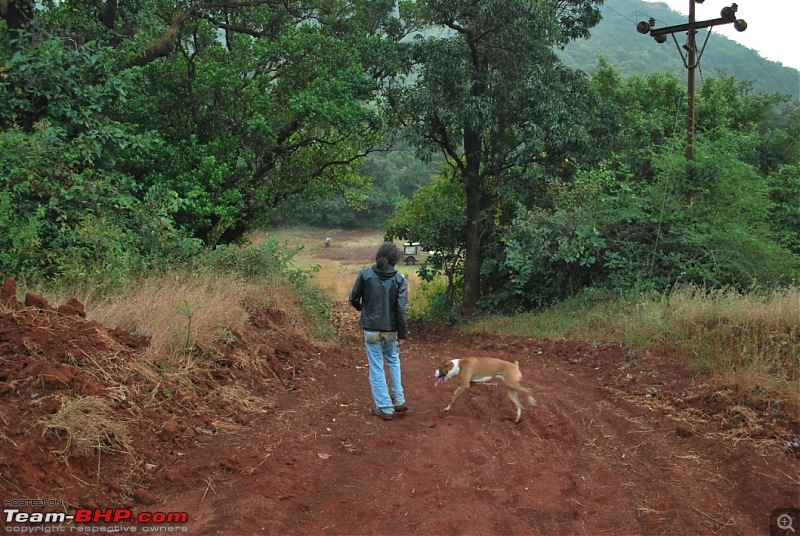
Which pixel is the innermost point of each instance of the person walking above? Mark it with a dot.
(381, 294)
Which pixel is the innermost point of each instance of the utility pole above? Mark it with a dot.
(692, 58)
(691, 64)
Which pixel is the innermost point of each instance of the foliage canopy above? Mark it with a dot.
(133, 136)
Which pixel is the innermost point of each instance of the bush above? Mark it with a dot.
(439, 306)
(610, 230)
(270, 261)
(267, 260)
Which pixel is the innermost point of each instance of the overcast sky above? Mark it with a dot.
(773, 26)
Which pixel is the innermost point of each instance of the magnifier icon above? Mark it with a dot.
(784, 522)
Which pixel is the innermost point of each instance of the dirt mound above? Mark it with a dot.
(91, 421)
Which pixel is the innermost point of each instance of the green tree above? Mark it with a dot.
(151, 118)
(261, 119)
(784, 186)
(491, 96)
(389, 177)
(256, 100)
(66, 210)
(435, 217)
(626, 224)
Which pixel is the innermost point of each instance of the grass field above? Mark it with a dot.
(337, 266)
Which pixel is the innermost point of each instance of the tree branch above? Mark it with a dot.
(443, 141)
(239, 29)
(167, 43)
(16, 13)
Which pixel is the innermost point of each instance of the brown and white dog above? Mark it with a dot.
(482, 369)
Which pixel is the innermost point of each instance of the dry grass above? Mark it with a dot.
(337, 267)
(89, 424)
(747, 341)
(177, 312)
(181, 313)
(238, 398)
(204, 354)
(335, 278)
(190, 318)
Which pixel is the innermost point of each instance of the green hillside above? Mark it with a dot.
(617, 40)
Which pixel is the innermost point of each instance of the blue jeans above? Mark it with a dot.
(383, 345)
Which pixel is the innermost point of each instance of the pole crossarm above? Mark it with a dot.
(727, 16)
(655, 32)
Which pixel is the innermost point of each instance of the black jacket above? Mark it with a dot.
(382, 298)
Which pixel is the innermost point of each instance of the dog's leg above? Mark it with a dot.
(460, 391)
(513, 383)
(512, 394)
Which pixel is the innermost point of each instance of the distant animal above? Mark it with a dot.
(328, 241)
(482, 369)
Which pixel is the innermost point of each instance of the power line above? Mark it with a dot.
(764, 67)
(618, 13)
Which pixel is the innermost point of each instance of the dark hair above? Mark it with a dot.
(388, 254)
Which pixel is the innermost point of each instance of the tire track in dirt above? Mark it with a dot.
(588, 459)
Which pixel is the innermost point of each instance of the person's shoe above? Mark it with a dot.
(384, 415)
(400, 408)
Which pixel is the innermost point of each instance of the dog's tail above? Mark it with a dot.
(527, 391)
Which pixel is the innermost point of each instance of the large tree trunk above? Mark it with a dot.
(16, 13)
(473, 189)
(473, 156)
(109, 14)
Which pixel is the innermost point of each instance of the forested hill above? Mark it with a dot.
(617, 40)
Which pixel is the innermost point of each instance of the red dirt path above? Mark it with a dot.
(618, 444)
(594, 456)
